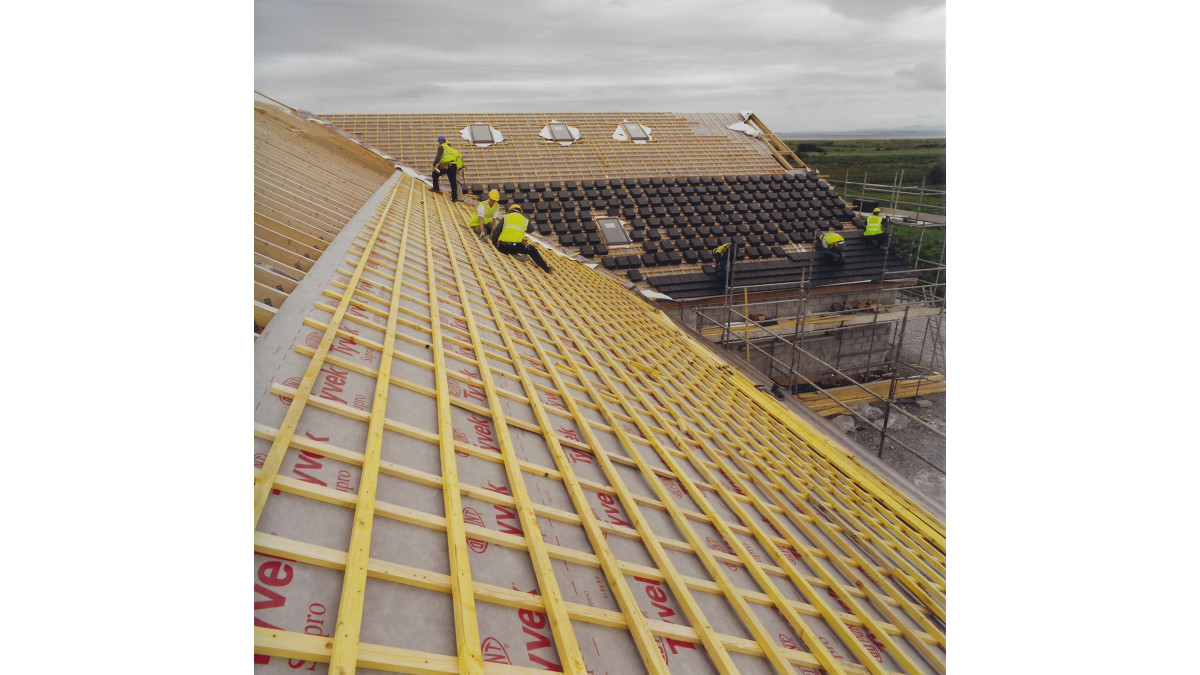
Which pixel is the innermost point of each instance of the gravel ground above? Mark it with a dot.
(930, 447)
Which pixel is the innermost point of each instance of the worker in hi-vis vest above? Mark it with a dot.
(831, 246)
(447, 162)
(874, 231)
(485, 215)
(725, 254)
(508, 236)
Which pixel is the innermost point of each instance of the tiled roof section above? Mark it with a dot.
(683, 145)
(308, 182)
(863, 264)
(674, 223)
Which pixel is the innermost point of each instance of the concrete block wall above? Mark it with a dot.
(847, 299)
(787, 309)
(860, 349)
(852, 350)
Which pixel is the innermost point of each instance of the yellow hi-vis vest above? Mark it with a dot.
(450, 155)
(514, 227)
(720, 249)
(832, 238)
(484, 214)
(874, 226)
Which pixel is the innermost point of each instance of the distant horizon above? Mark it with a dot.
(910, 131)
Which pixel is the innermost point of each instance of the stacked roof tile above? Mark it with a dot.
(674, 223)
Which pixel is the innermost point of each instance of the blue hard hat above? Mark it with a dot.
(441, 139)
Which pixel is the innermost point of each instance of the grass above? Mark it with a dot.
(909, 244)
(879, 161)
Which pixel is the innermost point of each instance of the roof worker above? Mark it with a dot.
(831, 246)
(725, 254)
(874, 231)
(485, 215)
(447, 161)
(508, 236)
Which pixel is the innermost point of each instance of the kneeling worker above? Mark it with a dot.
(508, 236)
(831, 243)
(485, 215)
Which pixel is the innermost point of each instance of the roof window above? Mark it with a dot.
(632, 131)
(613, 232)
(560, 133)
(481, 134)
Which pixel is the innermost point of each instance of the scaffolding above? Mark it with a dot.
(909, 204)
(902, 322)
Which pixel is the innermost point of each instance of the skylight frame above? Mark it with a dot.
(635, 131)
(555, 128)
(608, 225)
(471, 130)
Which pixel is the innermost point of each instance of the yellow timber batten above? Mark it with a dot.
(467, 465)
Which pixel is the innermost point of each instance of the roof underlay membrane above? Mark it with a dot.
(463, 464)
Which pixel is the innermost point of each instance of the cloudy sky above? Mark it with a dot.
(801, 65)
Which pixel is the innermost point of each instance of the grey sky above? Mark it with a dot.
(802, 65)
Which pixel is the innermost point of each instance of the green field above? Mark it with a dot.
(923, 249)
(910, 162)
(878, 160)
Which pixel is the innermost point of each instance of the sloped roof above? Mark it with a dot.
(864, 264)
(463, 461)
(308, 182)
(697, 183)
(684, 144)
(674, 223)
